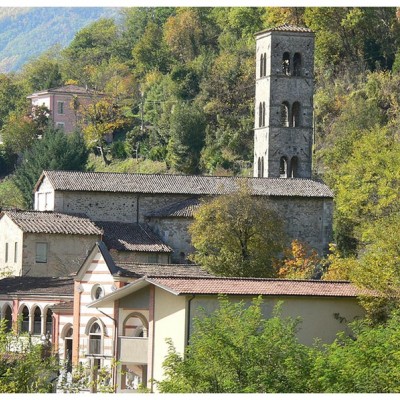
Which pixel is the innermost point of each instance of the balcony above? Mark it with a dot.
(133, 349)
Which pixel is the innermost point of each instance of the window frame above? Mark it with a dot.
(39, 260)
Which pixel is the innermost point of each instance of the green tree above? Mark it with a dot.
(55, 151)
(235, 350)
(24, 366)
(366, 362)
(237, 235)
(187, 132)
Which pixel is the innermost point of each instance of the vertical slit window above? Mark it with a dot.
(37, 321)
(259, 167)
(265, 64)
(283, 167)
(293, 167)
(260, 115)
(296, 114)
(262, 167)
(262, 66)
(297, 64)
(286, 63)
(285, 114)
(263, 113)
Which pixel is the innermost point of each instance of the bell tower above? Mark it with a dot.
(283, 127)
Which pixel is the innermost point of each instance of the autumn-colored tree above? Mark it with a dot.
(337, 267)
(299, 262)
(237, 235)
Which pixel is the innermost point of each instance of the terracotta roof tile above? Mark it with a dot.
(50, 222)
(69, 89)
(181, 184)
(31, 285)
(131, 237)
(267, 287)
(184, 209)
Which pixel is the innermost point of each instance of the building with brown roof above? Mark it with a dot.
(126, 311)
(44, 243)
(166, 202)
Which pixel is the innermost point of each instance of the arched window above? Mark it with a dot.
(259, 167)
(49, 322)
(262, 66)
(297, 64)
(296, 114)
(135, 325)
(37, 321)
(285, 114)
(283, 167)
(260, 115)
(263, 113)
(286, 63)
(265, 64)
(95, 339)
(7, 316)
(293, 167)
(24, 327)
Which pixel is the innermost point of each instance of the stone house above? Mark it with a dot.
(167, 202)
(64, 103)
(44, 243)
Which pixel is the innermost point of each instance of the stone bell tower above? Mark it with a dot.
(283, 129)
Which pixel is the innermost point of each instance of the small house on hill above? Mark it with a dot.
(63, 104)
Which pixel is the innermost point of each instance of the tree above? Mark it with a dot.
(237, 235)
(366, 362)
(24, 367)
(235, 350)
(55, 151)
(299, 262)
(187, 130)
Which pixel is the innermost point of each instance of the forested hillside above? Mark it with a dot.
(27, 32)
(180, 84)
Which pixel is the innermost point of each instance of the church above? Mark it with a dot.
(125, 284)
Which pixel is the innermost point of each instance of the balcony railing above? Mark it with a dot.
(133, 349)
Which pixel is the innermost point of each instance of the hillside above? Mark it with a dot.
(28, 32)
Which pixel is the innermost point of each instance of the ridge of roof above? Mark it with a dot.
(181, 184)
(286, 28)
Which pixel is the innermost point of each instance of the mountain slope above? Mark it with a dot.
(27, 32)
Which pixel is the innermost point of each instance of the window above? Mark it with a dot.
(297, 64)
(296, 114)
(260, 115)
(262, 167)
(60, 107)
(259, 167)
(286, 63)
(262, 66)
(15, 251)
(285, 114)
(263, 113)
(97, 292)
(293, 167)
(283, 167)
(41, 252)
(37, 321)
(265, 64)
(24, 327)
(95, 339)
(6, 253)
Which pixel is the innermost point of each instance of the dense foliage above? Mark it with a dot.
(25, 367)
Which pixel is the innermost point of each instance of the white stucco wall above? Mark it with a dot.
(12, 235)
